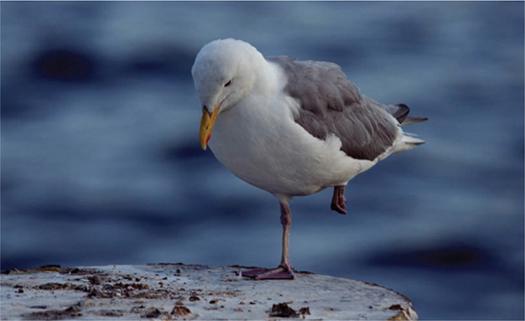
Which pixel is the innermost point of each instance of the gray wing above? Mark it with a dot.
(331, 104)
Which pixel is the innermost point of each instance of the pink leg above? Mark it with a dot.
(339, 200)
(285, 269)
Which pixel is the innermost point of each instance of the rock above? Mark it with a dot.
(178, 291)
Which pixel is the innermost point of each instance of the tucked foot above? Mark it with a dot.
(339, 200)
(279, 273)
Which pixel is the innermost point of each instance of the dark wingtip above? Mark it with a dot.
(401, 113)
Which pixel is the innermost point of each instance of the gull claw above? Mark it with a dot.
(279, 273)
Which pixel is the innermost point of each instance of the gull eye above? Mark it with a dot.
(228, 83)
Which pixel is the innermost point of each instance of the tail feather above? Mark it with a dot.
(407, 141)
(413, 120)
(411, 139)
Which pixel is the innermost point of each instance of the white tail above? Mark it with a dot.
(408, 141)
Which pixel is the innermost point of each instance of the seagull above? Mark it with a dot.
(291, 127)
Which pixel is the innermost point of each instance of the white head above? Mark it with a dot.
(224, 72)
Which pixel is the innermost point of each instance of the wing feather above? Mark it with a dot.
(331, 104)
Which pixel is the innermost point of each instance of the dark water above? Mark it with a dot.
(101, 162)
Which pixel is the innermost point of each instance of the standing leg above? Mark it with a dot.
(339, 200)
(286, 222)
(285, 269)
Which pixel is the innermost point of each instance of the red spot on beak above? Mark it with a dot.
(208, 139)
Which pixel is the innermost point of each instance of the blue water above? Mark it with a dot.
(101, 162)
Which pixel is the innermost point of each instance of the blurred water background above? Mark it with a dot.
(101, 162)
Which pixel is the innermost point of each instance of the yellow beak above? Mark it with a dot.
(207, 122)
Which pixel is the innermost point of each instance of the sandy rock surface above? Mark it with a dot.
(190, 292)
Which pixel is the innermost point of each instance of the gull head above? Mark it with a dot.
(224, 73)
